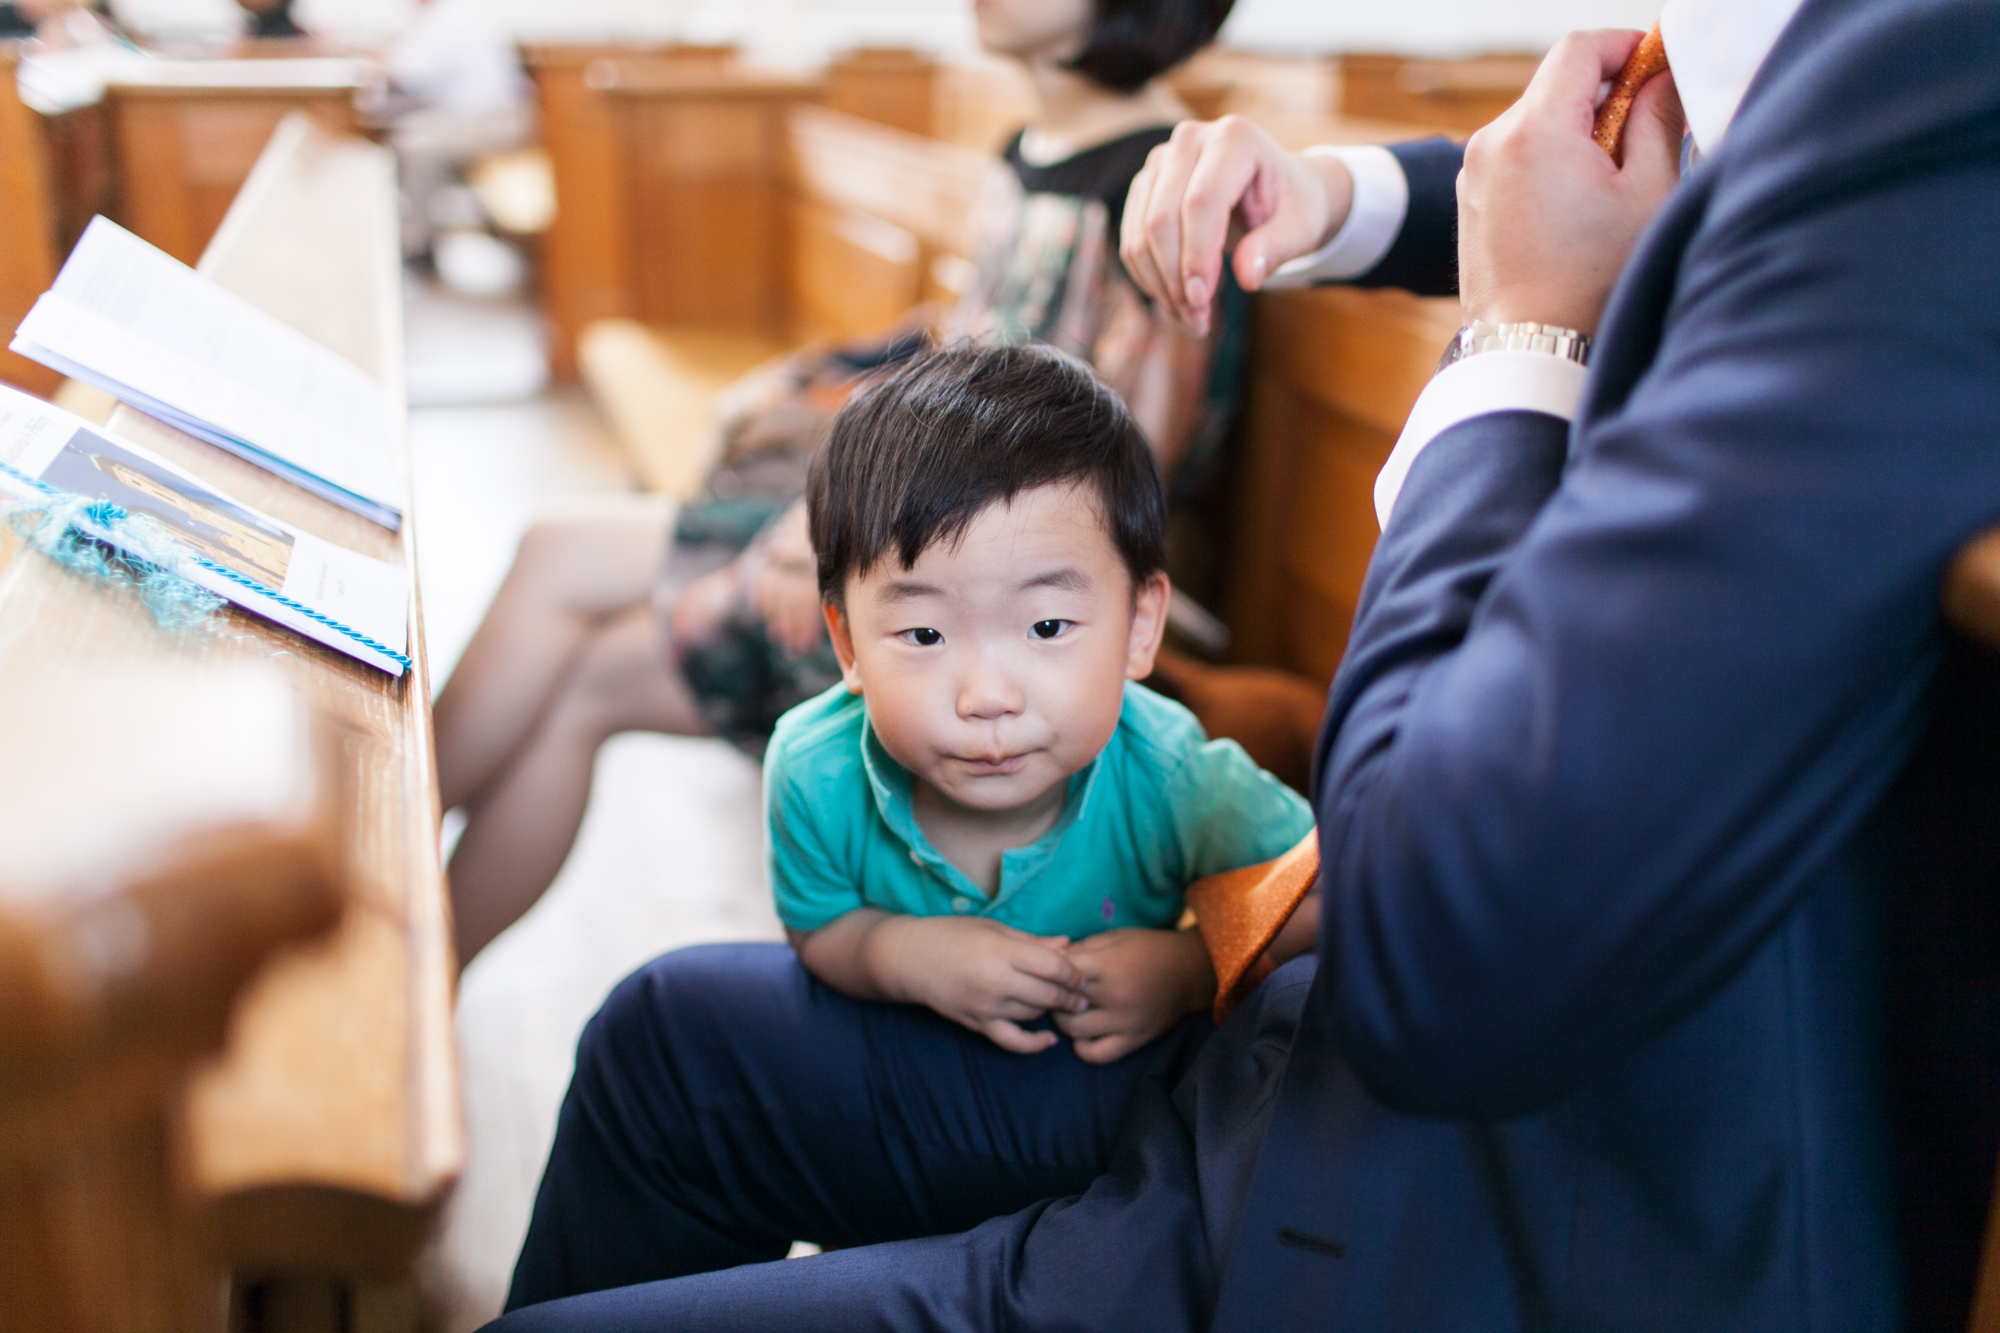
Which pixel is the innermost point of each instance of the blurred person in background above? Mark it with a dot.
(705, 620)
(271, 19)
(456, 93)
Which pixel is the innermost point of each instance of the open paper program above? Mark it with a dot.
(146, 328)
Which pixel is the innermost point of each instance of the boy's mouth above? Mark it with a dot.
(986, 766)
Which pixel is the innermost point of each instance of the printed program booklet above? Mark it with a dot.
(367, 600)
(144, 327)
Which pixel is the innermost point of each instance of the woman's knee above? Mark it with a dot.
(595, 557)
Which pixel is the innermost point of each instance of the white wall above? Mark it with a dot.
(804, 32)
(1424, 27)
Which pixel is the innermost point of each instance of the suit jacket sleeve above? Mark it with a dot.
(1606, 711)
(1424, 256)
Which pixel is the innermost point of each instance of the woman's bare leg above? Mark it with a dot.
(573, 572)
(521, 824)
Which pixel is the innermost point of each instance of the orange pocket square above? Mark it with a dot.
(1239, 913)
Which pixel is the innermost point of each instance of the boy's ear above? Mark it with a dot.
(843, 646)
(1149, 625)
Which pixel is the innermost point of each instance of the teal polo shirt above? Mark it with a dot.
(1160, 807)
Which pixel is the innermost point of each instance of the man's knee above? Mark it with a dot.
(681, 1005)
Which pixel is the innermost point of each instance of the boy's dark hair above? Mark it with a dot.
(912, 459)
(1134, 41)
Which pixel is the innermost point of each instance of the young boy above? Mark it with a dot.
(987, 816)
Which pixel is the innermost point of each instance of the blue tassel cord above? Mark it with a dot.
(145, 562)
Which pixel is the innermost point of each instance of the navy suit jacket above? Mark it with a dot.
(1658, 807)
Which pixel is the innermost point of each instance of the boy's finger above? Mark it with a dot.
(1087, 1025)
(1010, 1037)
(1103, 1050)
(1043, 996)
(1048, 965)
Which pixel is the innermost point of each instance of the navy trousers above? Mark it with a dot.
(725, 1104)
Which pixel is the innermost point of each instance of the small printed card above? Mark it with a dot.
(313, 587)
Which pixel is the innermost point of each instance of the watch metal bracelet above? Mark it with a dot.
(1483, 336)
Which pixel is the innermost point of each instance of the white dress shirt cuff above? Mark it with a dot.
(1381, 199)
(1489, 382)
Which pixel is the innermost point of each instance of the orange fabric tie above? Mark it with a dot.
(1648, 59)
(1239, 913)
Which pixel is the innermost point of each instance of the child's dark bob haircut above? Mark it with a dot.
(913, 459)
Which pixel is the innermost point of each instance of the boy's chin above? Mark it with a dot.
(995, 794)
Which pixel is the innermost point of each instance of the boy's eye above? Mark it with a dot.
(923, 638)
(1049, 629)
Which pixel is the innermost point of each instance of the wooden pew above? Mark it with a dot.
(876, 225)
(131, 913)
(188, 132)
(28, 260)
(879, 221)
(1334, 373)
(891, 86)
(327, 1135)
(1457, 96)
(670, 181)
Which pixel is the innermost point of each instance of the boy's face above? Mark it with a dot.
(996, 668)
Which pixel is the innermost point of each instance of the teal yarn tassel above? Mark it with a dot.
(145, 563)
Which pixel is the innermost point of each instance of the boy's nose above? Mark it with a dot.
(985, 693)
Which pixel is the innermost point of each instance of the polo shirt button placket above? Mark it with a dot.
(961, 904)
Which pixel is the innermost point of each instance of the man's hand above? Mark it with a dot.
(1545, 219)
(975, 971)
(1139, 984)
(1221, 183)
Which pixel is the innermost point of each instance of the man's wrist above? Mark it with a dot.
(1337, 183)
(1367, 202)
(1480, 336)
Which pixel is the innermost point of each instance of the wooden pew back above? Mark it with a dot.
(28, 260)
(1334, 373)
(670, 182)
(188, 133)
(1456, 96)
(878, 219)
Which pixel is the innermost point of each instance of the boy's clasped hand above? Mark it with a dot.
(1110, 993)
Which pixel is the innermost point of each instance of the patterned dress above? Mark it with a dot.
(1045, 268)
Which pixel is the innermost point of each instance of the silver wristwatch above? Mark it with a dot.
(1482, 336)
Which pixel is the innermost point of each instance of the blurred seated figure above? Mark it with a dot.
(456, 93)
(270, 18)
(635, 616)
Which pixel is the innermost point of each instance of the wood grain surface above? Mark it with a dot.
(329, 1130)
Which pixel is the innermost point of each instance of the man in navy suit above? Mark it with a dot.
(1658, 984)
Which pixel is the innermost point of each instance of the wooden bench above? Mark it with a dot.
(28, 261)
(325, 1138)
(670, 182)
(1456, 96)
(188, 132)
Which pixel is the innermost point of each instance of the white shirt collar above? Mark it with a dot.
(1716, 48)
